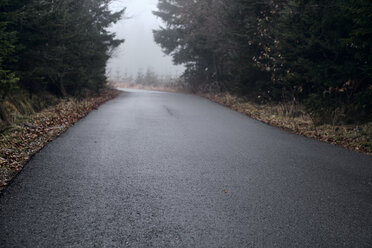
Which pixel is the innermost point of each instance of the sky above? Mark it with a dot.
(139, 51)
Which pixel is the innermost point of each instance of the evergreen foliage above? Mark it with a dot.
(8, 79)
(61, 46)
(314, 52)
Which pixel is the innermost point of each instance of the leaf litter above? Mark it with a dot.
(20, 141)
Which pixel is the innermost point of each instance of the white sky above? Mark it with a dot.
(139, 51)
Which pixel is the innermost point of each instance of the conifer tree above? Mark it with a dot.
(62, 45)
(8, 79)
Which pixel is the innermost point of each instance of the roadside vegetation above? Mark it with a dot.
(53, 57)
(150, 80)
(302, 65)
(28, 133)
(294, 118)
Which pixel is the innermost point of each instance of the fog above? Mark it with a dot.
(139, 51)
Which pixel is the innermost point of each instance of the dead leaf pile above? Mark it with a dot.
(22, 140)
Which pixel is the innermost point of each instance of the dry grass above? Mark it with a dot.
(165, 88)
(17, 106)
(289, 117)
(29, 133)
(294, 119)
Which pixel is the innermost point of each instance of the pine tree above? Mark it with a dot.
(63, 44)
(319, 56)
(8, 78)
(193, 36)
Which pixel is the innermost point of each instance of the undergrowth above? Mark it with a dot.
(18, 107)
(294, 118)
(26, 132)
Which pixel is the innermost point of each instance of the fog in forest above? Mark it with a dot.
(139, 52)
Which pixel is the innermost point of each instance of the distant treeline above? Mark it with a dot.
(59, 46)
(151, 78)
(313, 52)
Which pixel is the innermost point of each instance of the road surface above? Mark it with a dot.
(152, 169)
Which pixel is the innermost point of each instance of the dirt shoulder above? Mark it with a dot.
(28, 135)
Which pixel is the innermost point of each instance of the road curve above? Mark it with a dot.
(152, 169)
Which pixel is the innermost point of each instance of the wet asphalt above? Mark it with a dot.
(152, 169)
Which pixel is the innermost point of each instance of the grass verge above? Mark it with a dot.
(29, 133)
(294, 119)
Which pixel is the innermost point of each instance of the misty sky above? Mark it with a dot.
(139, 51)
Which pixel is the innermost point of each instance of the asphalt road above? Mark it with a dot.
(151, 169)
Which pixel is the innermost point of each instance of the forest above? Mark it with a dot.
(310, 52)
(57, 46)
(264, 140)
(53, 56)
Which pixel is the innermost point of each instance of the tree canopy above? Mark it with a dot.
(314, 52)
(61, 46)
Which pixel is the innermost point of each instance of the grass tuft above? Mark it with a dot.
(24, 135)
(293, 118)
